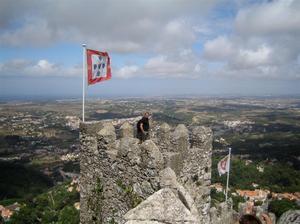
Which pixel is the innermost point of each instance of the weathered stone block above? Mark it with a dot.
(90, 128)
(126, 130)
(151, 156)
(163, 206)
(129, 148)
(201, 137)
(174, 160)
(290, 217)
(108, 133)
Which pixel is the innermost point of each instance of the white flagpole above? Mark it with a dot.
(227, 183)
(83, 78)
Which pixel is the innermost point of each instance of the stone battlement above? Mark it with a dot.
(118, 173)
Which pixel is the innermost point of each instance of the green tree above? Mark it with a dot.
(69, 215)
(216, 197)
(26, 215)
(278, 207)
(49, 216)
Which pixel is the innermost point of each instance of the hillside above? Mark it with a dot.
(58, 205)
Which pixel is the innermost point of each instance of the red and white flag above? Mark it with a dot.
(98, 66)
(223, 165)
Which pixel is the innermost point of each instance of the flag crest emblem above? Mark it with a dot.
(223, 165)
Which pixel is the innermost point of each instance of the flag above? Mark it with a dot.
(223, 165)
(98, 66)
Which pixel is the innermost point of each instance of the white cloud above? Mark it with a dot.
(275, 17)
(236, 54)
(127, 71)
(219, 48)
(176, 34)
(32, 33)
(182, 64)
(261, 40)
(161, 66)
(248, 58)
(119, 26)
(264, 43)
(40, 68)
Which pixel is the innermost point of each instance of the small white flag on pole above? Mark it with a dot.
(224, 167)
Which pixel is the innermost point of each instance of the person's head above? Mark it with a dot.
(249, 219)
(146, 114)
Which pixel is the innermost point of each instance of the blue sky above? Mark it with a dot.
(171, 47)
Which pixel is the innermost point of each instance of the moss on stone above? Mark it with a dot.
(95, 203)
(131, 197)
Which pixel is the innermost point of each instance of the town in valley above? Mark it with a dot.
(40, 149)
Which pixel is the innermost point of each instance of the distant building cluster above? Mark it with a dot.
(7, 211)
(288, 196)
(256, 195)
(259, 194)
(70, 157)
(262, 195)
(237, 123)
(74, 185)
(218, 187)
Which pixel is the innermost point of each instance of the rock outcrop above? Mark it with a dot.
(163, 207)
(290, 217)
(171, 204)
(163, 180)
(223, 214)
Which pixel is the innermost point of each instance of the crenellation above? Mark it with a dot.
(151, 156)
(180, 139)
(126, 130)
(125, 173)
(107, 135)
(90, 128)
(163, 137)
(200, 137)
(128, 148)
(173, 160)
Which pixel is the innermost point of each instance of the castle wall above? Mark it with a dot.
(118, 173)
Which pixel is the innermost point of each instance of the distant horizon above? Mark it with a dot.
(132, 97)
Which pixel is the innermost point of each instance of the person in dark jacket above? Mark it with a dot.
(143, 128)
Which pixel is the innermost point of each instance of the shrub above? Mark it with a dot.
(278, 207)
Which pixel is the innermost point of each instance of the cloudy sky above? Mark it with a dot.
(157, 47)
